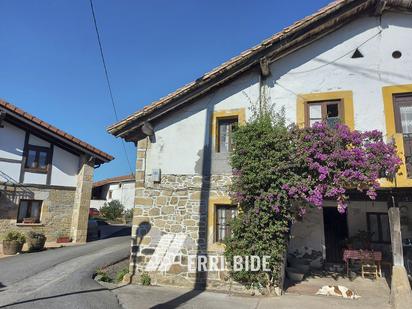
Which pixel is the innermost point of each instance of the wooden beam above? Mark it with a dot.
(264, 67)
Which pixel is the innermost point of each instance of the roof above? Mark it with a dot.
(116, 179)
(68, 139)
(298, 35)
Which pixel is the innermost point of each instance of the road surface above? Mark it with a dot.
(61, 278)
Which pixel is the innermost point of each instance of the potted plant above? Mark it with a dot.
(62, 238)
(36, 241)
(13, 242)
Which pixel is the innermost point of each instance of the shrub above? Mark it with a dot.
(120, 274)
(17, 236)
(104, 277)
(145, 279)
(112, 210)
(35, 235)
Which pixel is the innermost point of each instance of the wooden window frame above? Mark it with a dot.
(216, 224)
(324, 104)
(225, 114)
(345, 96)
(37, 149)
(218, 120)
(29, 206)
(396, 109)
(380, 234)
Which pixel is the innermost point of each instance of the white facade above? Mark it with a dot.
(122, 191)
(64, 165)
(323, 66)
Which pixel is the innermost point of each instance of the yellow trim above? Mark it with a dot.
(211, 227)
(388, 92)
(239, 112)
(345, 96)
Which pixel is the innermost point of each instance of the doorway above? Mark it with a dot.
(336, 231)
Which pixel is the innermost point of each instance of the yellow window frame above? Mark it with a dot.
(345, 96)
(225, 114)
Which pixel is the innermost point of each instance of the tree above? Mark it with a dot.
(112, 210)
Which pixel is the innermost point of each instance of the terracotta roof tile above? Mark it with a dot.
(114, 180)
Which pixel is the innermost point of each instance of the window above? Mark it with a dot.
(29, 211)
(378, 225)
(37, 159)
(225, 128)
(110, 195)
(224, 215)
(327, 111)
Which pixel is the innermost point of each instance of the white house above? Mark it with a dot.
(120, 188)
(350, 61)
(46, 176)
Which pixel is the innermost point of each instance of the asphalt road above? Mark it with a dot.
(61, 278)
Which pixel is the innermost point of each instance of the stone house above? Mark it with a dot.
(120, 188)
(348, 62)
(46, 176)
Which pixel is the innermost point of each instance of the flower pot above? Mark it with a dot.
(36, 244)
(11, 247)
(63, 239)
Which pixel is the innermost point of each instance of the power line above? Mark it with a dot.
(108, 81)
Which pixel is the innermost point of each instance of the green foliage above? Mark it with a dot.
(35, 235)
(16, 235)
(145, 279)
(128, 215)
(104, 276)
(112, 210)
(121, 273)
(262, 164)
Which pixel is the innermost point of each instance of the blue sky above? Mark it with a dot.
(50, 64)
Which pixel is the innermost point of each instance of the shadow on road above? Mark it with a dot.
(59, 295)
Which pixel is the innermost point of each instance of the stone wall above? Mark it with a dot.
(171, 220)
(56, 212)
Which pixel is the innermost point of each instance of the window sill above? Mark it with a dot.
(30, 224)
(35, 171)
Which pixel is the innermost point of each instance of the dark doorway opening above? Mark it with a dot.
(336, 231)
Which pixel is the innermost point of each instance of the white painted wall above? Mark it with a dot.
(123, 192)
(65, 165)
(11, 147)
(323, 66)
(11, 142)
(326, 65)
(65, 168)
(35, 178)
(180, 138)
(37, 141)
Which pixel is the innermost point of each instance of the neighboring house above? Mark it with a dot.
(46, 176)
(119, 188)
(348, 62)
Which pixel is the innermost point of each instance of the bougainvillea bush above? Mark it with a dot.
(279, 171)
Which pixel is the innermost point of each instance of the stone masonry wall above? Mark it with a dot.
(56, 212)
(172, 216)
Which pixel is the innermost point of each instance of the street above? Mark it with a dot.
(60, 278)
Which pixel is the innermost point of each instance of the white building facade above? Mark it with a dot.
(348, 61)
